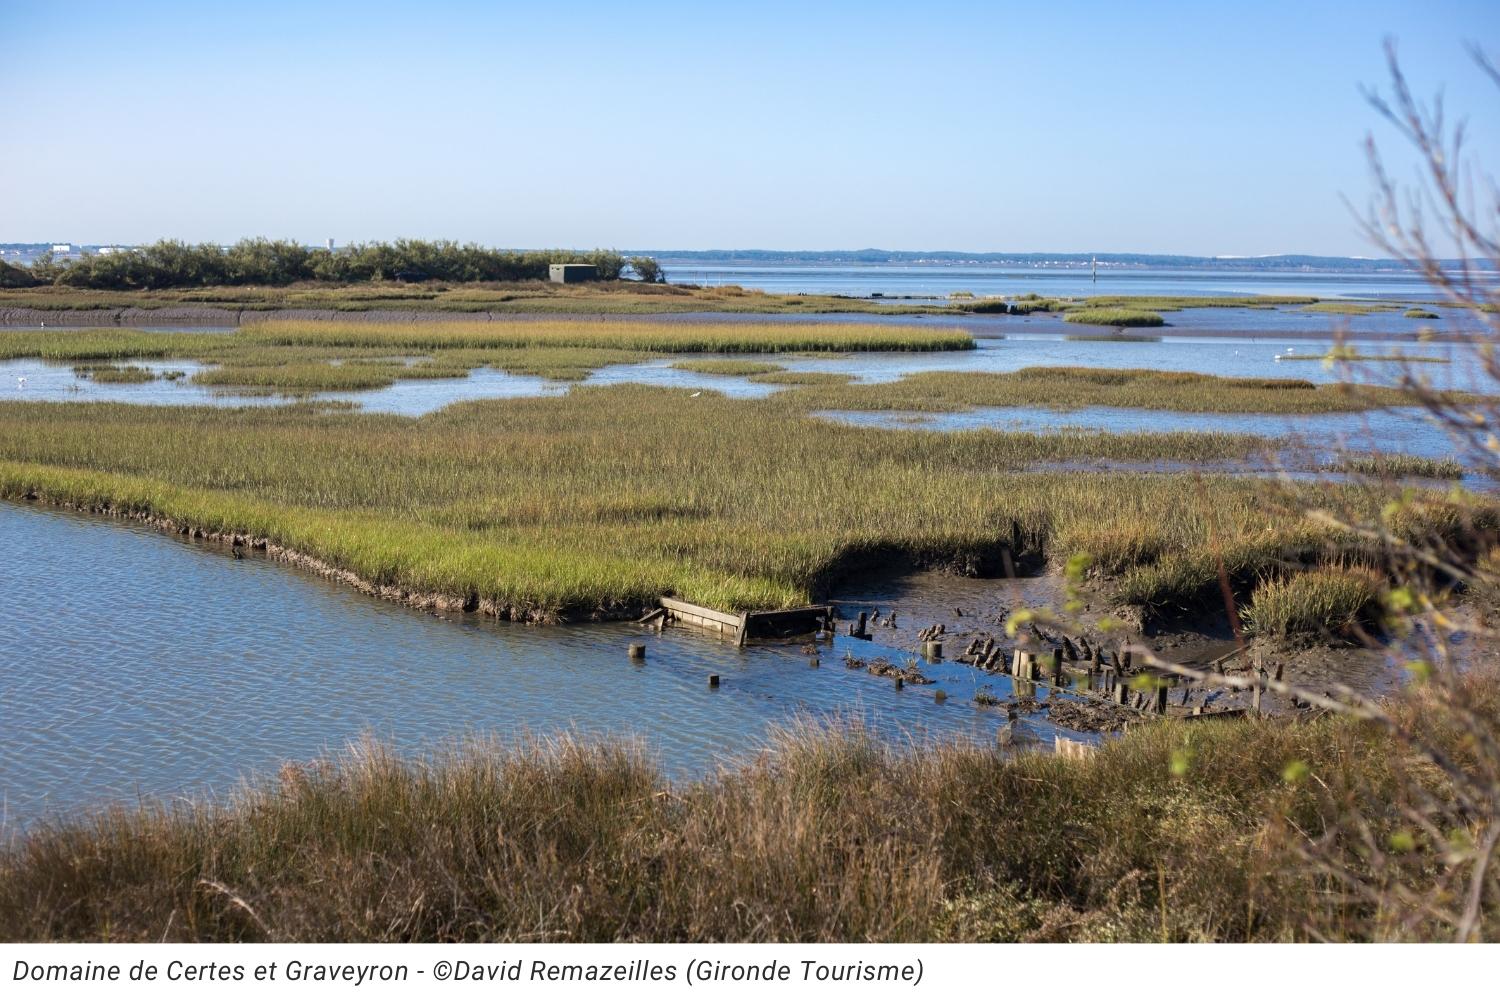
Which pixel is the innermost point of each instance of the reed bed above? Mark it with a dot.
(1350, 308)
(1329, 599)
(681, 338)
(598, 501)
(1114, 317)
(1138, 388)
(1173, 832)
(116, 374)
(730, 366)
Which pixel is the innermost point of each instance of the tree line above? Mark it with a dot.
(174, 264)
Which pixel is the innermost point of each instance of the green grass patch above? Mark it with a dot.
(120, 374)
(1350, 308)
(728, 367)
(1067, 388)
(682, 338)
(1114, 317)
(1327, 599)
(1418, 313)
(321, 377)
(544, 507)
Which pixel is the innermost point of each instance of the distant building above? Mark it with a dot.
(330, 242)
(62, 248)
(571, 274)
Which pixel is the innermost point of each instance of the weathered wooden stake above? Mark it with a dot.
(1057, 658)
(900, 684)
(713, 680)
(637, 650)
(934, 650)
(1161, 700)
(1260, 680)
(940, 696)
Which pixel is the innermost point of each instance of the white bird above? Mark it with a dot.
(696, 394)
(20, 381)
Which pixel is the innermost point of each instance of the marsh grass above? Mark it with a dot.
(548, 507)
(1177, 831)
(682, 338)
(1350, 308)
(1114, 317)
(1396, 466)
(728, 367)
(1327, 599)
(1072, 387)
(126, 374)
(1419, 313)
(302, 356)
(306, 377)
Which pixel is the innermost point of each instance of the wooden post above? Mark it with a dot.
(1057, 658)
(1260, 680)
(940, 696)
(900, 684)
(713, 680)
(934, 650)
(859, 629)
(637, 650)
(1161, 699)
(1124, 660)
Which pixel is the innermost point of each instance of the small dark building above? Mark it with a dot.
(571, 274)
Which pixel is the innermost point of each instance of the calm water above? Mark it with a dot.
(1403, 431)
(942, 279)
(1025, 346)
(138, 664)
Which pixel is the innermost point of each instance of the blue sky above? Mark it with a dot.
(1206, 128)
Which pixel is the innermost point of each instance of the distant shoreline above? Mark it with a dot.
(199, 318)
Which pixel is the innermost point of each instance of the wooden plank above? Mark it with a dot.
(686, 610)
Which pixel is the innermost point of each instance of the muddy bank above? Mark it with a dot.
(904, 610)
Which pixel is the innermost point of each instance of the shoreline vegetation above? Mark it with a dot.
(213, 285)
(1173, 832)
(541, 509)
